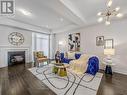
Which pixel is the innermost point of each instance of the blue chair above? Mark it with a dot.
(93, 65)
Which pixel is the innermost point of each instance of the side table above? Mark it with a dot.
(108, 69)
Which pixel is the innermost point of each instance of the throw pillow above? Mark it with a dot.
(40, 54)
(84, 57)
(71, 55)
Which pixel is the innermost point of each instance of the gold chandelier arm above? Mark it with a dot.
(103, 14)
(109, 13)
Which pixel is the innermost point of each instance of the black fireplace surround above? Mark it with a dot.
(16, 57)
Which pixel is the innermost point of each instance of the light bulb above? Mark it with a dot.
(117, 8)
(100, 19)
(107, 23)
(109, 3)
(119, 15)
(99, 13)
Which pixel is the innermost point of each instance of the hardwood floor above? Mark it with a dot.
(113, 85)
(17, 80)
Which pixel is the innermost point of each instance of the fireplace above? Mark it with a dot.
(16, 57)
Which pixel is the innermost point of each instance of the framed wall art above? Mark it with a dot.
(100, 41)
(16, 38)
(74, 42)
(109, 43)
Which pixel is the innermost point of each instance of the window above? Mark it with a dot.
(40, 43)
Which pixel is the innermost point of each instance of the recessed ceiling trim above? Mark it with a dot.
(45, 28)
(23, 29)
(13, 23)
(79, 19)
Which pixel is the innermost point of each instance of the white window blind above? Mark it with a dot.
(41, 43)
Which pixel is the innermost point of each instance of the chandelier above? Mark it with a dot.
(109, 13)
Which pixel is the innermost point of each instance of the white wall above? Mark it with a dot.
(117, 30)
(4, 43)
(61, 37)
(5, 31)
(52, 46)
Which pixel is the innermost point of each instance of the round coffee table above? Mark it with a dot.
(60, 69)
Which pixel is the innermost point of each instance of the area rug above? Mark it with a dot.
(73, 84)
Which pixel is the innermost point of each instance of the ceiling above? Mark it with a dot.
(60, 15)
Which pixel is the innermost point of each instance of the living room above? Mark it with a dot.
(63, 47)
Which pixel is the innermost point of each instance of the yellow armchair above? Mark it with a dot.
(39, 57)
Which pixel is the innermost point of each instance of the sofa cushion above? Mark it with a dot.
(71, 55)
(42, 59)
(77, 56)
(84, 57)
(40, 54)
(65, 60)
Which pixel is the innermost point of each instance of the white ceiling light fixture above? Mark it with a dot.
(24, 12)
(109, 13)
(61, 19)
(47, 26)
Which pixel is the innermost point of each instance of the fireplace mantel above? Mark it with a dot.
(4, 54)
